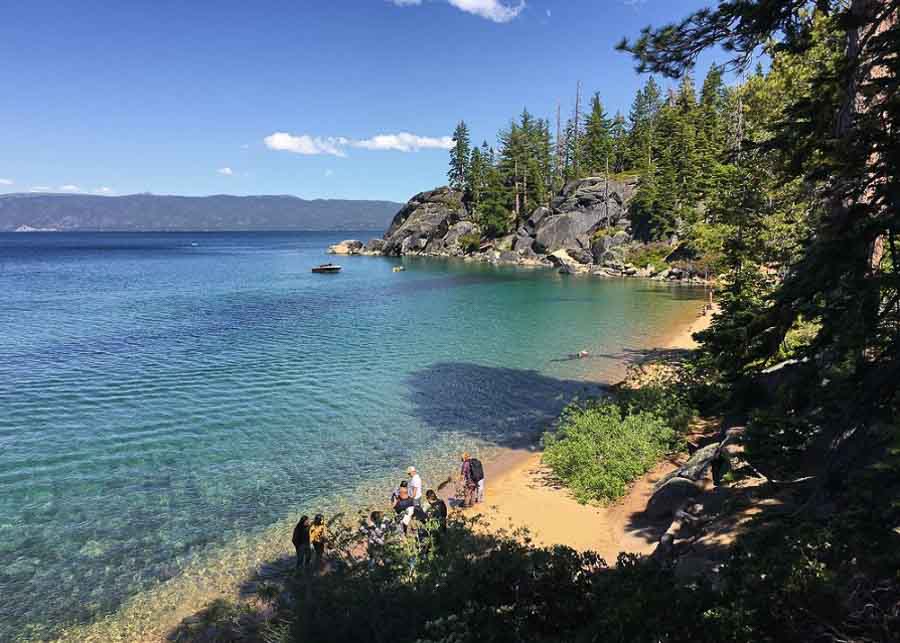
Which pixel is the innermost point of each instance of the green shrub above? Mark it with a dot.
(470, 242)
(653, 254)
(598, 450)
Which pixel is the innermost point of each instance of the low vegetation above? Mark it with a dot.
(470, 242)
(650, 254)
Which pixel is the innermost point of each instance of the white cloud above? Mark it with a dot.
(404, 142)
(329, 173)
(305, 144)
(548, 13)
(334, 145)
(225, 171)
(40, 188)
(494, 10)
(68, 187)
(102, 190)
(6, 181)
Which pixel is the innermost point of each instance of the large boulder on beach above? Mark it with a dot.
(424, 222)
(346, 247)
(566, 263)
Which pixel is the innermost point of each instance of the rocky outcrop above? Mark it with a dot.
(346, 247)
(422, 224)
(373, 247)
(583, 207)
(584, 230)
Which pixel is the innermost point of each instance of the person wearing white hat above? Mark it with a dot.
(415, 485)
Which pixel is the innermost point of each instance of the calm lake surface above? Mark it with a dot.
(160, 398)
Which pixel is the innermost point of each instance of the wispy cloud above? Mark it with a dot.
(329, 173)
(68, 187)
(335, 145)
(103, 190)
(305, 144)
(6, 182)
(404, 142)
(225, 171)
(494, 10)
(40, 188)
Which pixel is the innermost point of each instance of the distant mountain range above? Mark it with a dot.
(150, 212)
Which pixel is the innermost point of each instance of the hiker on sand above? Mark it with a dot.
(470, 484)
(415, 486)
(477, 471)
(301, 542)
(318, 536)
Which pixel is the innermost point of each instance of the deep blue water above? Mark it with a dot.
(160, 398)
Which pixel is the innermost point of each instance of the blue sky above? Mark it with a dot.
(330, 98)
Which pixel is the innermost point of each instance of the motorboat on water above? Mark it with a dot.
(327, 268)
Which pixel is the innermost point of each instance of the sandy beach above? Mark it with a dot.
(519, 493)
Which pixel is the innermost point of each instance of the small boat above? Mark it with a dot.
(398, 268)
(327, 268)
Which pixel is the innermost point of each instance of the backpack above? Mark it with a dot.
(476, 470)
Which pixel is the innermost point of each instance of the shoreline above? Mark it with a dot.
(151, 614)
(519, 493)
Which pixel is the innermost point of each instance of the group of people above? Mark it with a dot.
(417, 513)
(309, 540)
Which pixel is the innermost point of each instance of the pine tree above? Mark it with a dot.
(597, 139)
(459, 157)
(619, 135)
(644, 111)
(477, 177)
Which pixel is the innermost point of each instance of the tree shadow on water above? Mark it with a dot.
(506, 406)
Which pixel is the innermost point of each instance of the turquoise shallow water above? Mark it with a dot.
(159, 398)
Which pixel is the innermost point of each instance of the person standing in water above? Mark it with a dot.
(318, 536)
(301, 542)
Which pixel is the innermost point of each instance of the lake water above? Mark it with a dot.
(165, 394)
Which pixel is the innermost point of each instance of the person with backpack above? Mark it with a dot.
(478, 475)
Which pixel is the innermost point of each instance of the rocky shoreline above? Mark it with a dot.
(585, 230)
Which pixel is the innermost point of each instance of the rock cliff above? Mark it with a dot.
(584, 229)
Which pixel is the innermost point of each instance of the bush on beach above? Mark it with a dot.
(599, 448)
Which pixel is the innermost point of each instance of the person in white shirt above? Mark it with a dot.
(415, 485)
